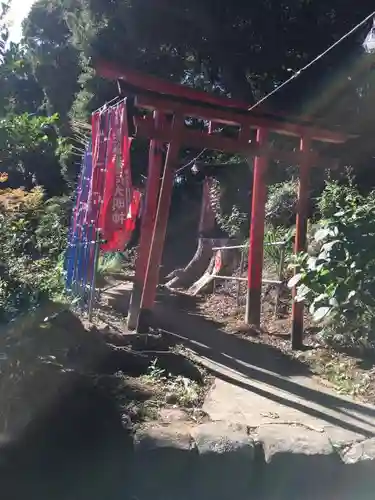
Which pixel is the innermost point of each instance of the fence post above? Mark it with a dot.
(255, 267)
(280, 278)
(301, 236)
(242, 265)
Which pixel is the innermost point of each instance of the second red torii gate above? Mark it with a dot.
(162, 109)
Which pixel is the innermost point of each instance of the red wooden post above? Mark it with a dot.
(159, 232)
(300, 239)
(148, 221)
(259, 197)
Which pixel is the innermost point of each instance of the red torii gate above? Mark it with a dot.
(161, 111)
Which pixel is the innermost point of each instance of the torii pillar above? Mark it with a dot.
(300, 243)
(160, 228)
(155, 164)
(255, 262)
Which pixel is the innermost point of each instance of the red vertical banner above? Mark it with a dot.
(118, 184)
(99, 126)
(109, 181)
(122, 237)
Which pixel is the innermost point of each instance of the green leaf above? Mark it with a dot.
(333, 302)
(303, 290)
(327, 247)
(295, 280)
(320, 298)
(321, 313)
(302, 293)
(322, 234)
(311, 263)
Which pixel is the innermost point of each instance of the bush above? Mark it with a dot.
(32, 238)
(338, 282)
(336, 195)
(230, 194)
(273, 254)
(29, 152)
(281, 204)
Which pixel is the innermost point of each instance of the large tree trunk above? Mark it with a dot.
(199, 268)
(183, 278)
(223, 262)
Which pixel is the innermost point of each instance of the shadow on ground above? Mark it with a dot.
(260, 366)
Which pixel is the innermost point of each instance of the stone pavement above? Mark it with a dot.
(297, 401)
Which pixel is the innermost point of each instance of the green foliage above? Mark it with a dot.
(53, 58)
(32, 238)
(19, 91)
(273, 253)
(234, 223)
(281, 204)
(336, 195)
(4, 30)
(28, 151)
(111, 263)
(338, 283)
(230, 200)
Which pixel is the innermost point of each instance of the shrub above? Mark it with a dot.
(273, 254)
(336, 195)
(281, 204)
(32, 238)
(338, 282)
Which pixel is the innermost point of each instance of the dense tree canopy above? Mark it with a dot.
(242, 49)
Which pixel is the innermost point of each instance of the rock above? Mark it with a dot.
(340, 437)
(359, 452)
(220, 438)
(158, 437)
(226, 462)
(298, 463)
(163, 463)
(209, 461)
(279, 439)
(170, 415)
(217, 461)
(357, 478)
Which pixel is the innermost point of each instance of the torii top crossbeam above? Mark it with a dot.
(153, 92)
(162, 115)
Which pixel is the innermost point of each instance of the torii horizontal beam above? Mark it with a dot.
(199, 140)
(156, 93)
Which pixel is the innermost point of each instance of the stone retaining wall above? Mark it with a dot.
(181, 461)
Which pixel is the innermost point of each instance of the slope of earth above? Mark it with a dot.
(71, 396)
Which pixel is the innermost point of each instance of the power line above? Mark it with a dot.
(293, 77)
(308, 65)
